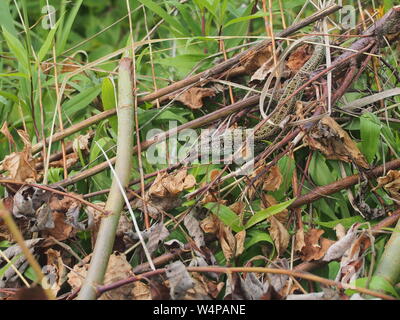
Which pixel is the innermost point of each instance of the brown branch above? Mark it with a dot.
(347, 182)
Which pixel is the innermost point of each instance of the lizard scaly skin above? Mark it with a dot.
(270, 129)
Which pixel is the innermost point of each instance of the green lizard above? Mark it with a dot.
(271, 127)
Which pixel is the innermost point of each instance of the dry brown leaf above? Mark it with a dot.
(227, 241)
(299, 243)
(4, 130)
(61, 230)
(239, 238)
(55, 270)
(21, 166)
(315, 246)
(118, 268)
(210, 224)
(159, 291)
(391, 183)
(279, 234)
(214, 288)
(298, 57)
(214, 174)
(237, 207)
(335, 143)
(32, 293)
(200, 289)
(253, 60)
(270, 180)
(82, 143)
(69, 66)
(141, 291)
(273, 180)
(193, 98)
(213, 197)
(261, 73)
(163, 194)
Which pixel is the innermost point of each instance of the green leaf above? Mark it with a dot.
(346, 222)
(17, 49)
(377, 284)
(319, 170)
(108, 94)
(370, 130)
(156, 8)
(246, 18)
(226, 215)
(269, 212)
(182, 62)
(8, 265)
(4, 244)
(30, 274)
(47, 43)
(81, 100)
(66, 29)
(109, 101)
(256, 236)
(14, 74)
(6, 20)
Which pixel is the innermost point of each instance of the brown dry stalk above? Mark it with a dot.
(347, 182)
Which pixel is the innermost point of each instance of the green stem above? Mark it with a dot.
(389, 265)
(108, 226)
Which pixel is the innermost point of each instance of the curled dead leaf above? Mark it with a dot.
(335, 143)
(163, 194)
(279, 234)
(315, 246)
(239, 238)
(193, 98)
(179, 280)
(21, 166)
(254, 59)
(4, 130)
(299, 243)
(82, 142)
(237, 207)
(299, 56)
(227, 241)
(210, 224)
(391, 183)
(273, 180)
